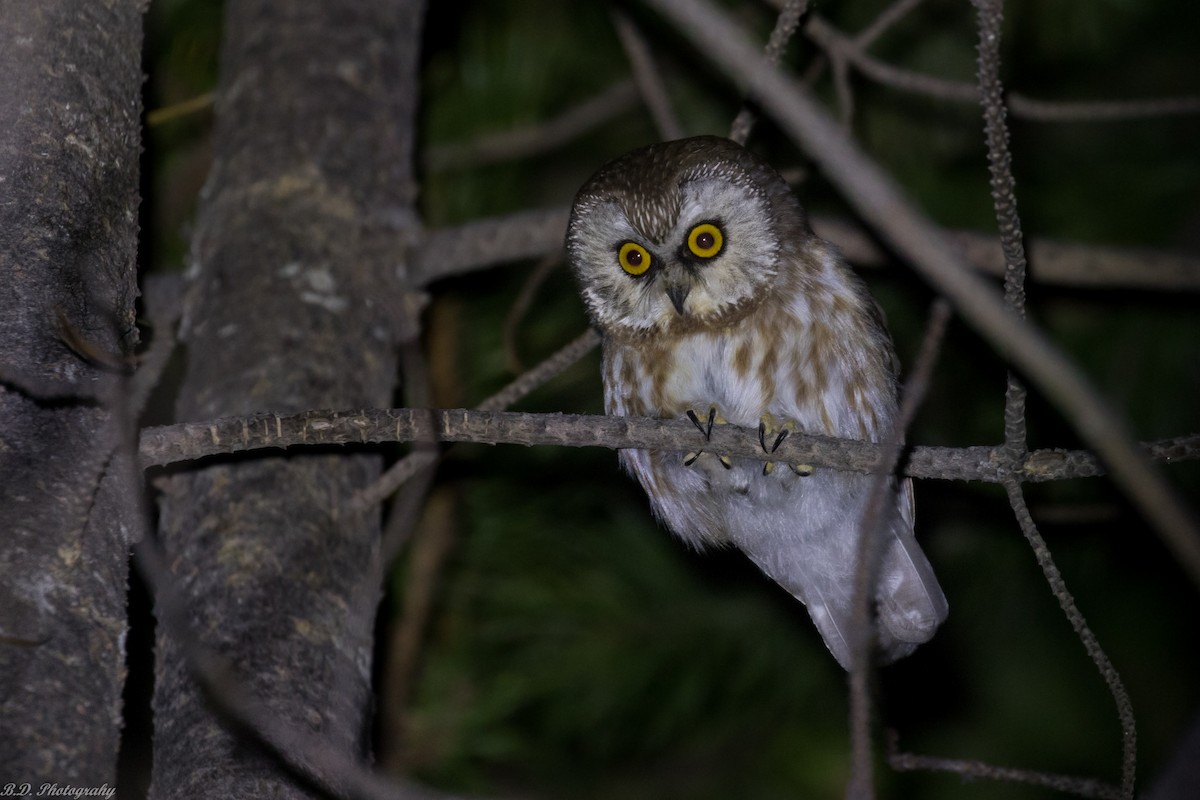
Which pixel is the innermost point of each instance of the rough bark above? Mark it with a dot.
(296, 301)
(69, 145)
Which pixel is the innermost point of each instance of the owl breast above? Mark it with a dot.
(797, 356)
(793, 359)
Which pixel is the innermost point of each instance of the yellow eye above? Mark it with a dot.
(634, 258)
(705, 240)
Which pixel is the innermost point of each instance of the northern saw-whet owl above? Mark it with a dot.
(716, 302)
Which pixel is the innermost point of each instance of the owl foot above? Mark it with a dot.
(706, 426)
(714, 418)
(772, 431)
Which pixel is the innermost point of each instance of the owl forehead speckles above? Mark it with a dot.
(647, 183)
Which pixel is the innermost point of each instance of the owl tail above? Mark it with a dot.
(816, 564)
(911, 604)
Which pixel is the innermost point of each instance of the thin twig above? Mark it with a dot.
(1022, 106)
(520, 307)
(407, 508)
(1004, 199)
(487, 242)
(163, 297)
(886, 19)
(874, 521)
(620, 98)
(1107, 671)
(785, 27)
(647, 76)
(430, 548)
(990, 13)
(404, 469)
(971, 769)
(547, 370)
(879, 200)
(167, 113)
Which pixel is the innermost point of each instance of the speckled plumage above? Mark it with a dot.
(772, 328)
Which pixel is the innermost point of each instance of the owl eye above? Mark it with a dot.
(705, 240)
(634, 258)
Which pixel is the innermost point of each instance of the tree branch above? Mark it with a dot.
(834, 41)
(487, 242)
(533, 234)
(647, 76)
(970, 769)
(189, 441)
(523, 142)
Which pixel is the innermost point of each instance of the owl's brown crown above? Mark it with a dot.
(646, 181)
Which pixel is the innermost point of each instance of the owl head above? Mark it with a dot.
(681, 236)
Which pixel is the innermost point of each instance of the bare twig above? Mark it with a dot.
(406, 509)
(875, 517)
(1052, 262)
(833, 41)
(1004, 199)
(187, 441)
(164, 114)
(412, 464)
(520, 307)
(532, 234)
(428, 553)
(990, 14)
(880, 201)
(785, 27)
(887, 18)
(164, 305)
(486, 242)
(843, 92)
(970, 769)
(1091, 644)
(524, 142)
(647, 77)
(547, 370)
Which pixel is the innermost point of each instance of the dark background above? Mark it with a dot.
(571, 648)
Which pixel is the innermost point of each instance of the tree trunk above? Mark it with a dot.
(69, 145)
(298, 299)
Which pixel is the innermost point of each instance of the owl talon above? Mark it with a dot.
(768, 467)
(803, 470)
(768, 427)
(704, 427)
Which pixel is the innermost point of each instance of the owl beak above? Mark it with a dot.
(678, 292)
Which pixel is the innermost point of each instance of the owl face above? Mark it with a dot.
(680, 236)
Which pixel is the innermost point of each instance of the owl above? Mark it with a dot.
(716, 303)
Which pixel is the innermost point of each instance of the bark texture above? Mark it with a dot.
(70, 105)
(297, 300)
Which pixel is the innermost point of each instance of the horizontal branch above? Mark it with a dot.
(187, 441)
(532, 234)
(834, 41)
(528, 141)
(487, 242)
